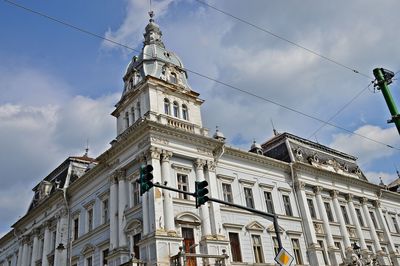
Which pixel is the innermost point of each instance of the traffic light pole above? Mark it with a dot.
(383, 81)
(267, 215)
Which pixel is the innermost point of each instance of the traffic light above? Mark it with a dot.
(145, 178)
(201, 192)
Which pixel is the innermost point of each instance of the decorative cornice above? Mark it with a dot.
(247, 181)
(181, 168)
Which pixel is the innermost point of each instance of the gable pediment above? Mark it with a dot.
(255, 226)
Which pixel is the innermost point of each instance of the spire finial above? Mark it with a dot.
(87, 148)
(151, 14)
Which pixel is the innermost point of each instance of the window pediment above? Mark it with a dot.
(181, 168)
(271, 229)
(87, 249)
(255, 226)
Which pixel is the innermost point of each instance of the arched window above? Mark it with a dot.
(172, 78)
(176, 109)
(185, 114)
(138, 110)
(166, 106)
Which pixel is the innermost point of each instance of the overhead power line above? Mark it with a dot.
(334, 61)
(342, 108)
(203, 76)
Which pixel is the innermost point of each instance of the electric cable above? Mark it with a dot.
(203, 75)
(284, 39)
(342, 108)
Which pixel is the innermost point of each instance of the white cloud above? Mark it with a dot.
(375, 177)
(366, 150)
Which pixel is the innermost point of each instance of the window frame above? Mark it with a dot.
(75, 227)
(167, 106)
(328, 210)
(175, 109)
(105, 210)
(345, 214)
(287, 205)
(297, 250)
(395, 224)
(311, 207)
(269, 201)
(249, 197)
(227, 195)
(359, 217)
(185, 112)
(89, 219)
(236, 252)
(258, 251)
(182, 185)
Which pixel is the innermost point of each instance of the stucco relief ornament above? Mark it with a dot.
(211, 165)
(199, 163)
(336, 166)
(166, 155)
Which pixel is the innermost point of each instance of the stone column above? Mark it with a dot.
(354, 218)
(308, 223)
(387, 234)
(25, 251)
(342, 224)
(19, 260)
(326, 225)
(35, 247)
(122, 204)
(215, 214)
(168, 203)
(371, 225)
(113, 211)
(155, 200)
(46, 243)
(204, 212)
(60, 256)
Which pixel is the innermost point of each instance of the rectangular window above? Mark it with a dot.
(106, 212)
(235, 247)
(76, 228)
(136, 250)
(288, 207)
(183, 185)
(328, 211)
(321, 244)
(339, 246)
(248, 193)
(276, 245)
(359, 216)
(312, 209)
(53, 240)
(89, 261)
(227, 190)
(105, 255)
(269, 202)
(369, 247)
(297, 251)
(89, 219)
(345, 215)
(136, 193)
(373, 219)
(257, 249)
(396, 226)
(384, 216)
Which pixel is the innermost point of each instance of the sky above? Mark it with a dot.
(58, 85)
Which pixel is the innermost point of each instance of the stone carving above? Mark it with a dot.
(318, 228)
(364, 200)
(334, 193)
(166, 155)
(352, 231)
(300, 185)
(159, 140)
(317, 189)
(377, 203)
(204, 151)
(349, 197)
(155, 153)
(211, 165)
(199, 164)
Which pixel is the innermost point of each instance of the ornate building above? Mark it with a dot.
(90, 212)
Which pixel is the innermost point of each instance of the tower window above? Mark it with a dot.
(131, 83)
(133, 114)
(176, 109)
(127, 119)
(185, 114)
(138, 109)
(172, 78)
(166, 106)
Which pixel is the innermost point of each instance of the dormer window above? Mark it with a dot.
(173, 78)
(166, 106)
(185, 114)
(176, 109)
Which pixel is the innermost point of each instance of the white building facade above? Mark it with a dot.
(90, 212)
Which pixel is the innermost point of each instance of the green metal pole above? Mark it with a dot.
(383, 86)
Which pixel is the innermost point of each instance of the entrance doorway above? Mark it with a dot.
(188, 241)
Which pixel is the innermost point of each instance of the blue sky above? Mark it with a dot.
(58, 86)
